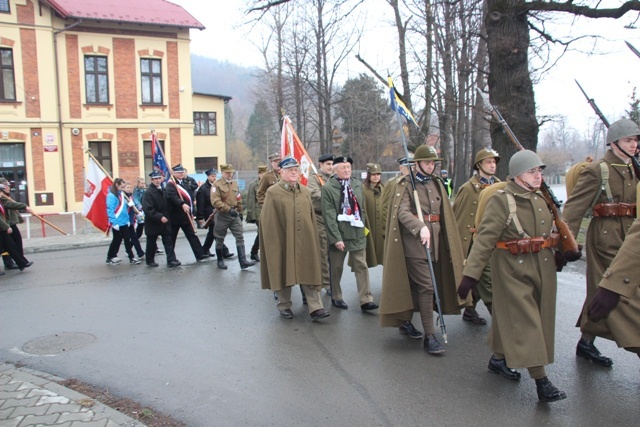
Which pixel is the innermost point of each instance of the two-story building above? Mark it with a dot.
(98, 75)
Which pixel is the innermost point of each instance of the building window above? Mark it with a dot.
(148, 157)
(206, 163)
(151, 74)
(7, 83)
(96, 79)
(101, 150)
(204, 124)
(4, 6)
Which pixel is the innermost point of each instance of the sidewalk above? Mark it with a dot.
(30, 398)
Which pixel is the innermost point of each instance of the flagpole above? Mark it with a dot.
(88, 151)
(39, 217)
(418, 209)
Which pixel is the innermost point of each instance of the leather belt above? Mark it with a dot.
(614, 210)
(430, 218)
(529, 245)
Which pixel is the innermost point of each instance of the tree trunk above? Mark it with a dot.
(510, 87)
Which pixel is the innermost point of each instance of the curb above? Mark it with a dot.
(39, 389)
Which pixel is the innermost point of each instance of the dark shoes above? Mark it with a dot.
(547, 392)
(221, 263)
(499, 366)
(152, 264)
(226, 253)
(432, 346)
(255, 257)
(368, 306)
(471, 315)
(28, 264)
(173, 264)
(409, 330)
(319, 314)
(587, 350)
(13, 266)
(203, 257)
(339, 304)
(286, 313)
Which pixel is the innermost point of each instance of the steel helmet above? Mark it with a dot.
(426, 153)
(522, 161)
(485, 153)
(622, 128)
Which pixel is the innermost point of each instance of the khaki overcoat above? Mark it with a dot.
(465, 207)
(373, 208)
(289, 243)
(253, 208)
(622, 277)
(396, 301)
(524, 285)
(605, 234)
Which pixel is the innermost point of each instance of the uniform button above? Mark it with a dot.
(395, 240)
(545, 260)
(465, 239)
(626, 281)
(542, 222)
(539, 209)
(472, 214)
(535, 198)
(468, 226)
(520, 261)
(604, 232)
(475, 203)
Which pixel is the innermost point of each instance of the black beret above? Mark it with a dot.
(342, 159)
(325, 158)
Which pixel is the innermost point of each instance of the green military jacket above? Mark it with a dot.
(353, 237)
(12, 208)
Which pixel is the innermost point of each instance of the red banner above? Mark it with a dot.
(292, 146)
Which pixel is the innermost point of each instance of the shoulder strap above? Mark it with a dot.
(604, 184)
(511, 201)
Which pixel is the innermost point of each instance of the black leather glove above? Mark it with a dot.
(572, 256)
(466, 284)
(233, 213)
(560, 261)
(603, 302)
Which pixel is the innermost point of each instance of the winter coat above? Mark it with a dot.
(373, 207)
(117, 209)
(353, 237)
(177, 215)
(524, 285)
(204, 208)
(253, 208)
(289, 242)
(154, 206)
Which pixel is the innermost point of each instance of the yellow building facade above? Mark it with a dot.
(72, 81)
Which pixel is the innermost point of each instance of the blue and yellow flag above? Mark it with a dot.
(396, 104)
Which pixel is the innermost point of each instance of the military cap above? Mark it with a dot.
(444, 171)
(288, 162)
(227, 168)
(373, 168)
(178, 168)
(403, 160)
(275, 156)
(325, 158)
(210, 172)
(262, 169)
(155, 174)
(342, 159)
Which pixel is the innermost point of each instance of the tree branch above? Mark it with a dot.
(589, 12)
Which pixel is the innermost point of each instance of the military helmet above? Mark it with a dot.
(486, 153)
(426, 153)
(522, 161)
(622, 128)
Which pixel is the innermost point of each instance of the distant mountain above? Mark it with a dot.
(209, 75)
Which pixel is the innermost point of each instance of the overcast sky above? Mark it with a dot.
(608, 76)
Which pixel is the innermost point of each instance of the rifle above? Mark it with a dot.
(569, 245)
(416, 200)
(633, 49)
(634, 159)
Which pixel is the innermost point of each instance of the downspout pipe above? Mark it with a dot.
(59, 99)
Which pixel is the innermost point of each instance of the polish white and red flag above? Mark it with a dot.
(292, 146)
(94, 204)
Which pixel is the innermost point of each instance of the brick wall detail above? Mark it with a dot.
(173, 80)
(73, 76)
(127, 142)
(125, 78)
(7, 42)
(30, 67)
(26, 13)
(77, 150)
(176, 146)
(37, 157)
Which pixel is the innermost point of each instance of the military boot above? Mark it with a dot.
(226, 253)
(242, 257)
(221, 263)
(547, 392)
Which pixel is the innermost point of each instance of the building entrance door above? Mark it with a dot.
(12, 167)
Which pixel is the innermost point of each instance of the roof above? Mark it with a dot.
(224, 97)
(152, 12)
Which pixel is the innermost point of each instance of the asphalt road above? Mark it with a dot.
(209, 347)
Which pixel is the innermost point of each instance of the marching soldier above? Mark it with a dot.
(10, 238)
(156, 214)
(405, 166)
(227, 200)
(516, 236)
(288, 224)
(465, 206)
(406, 277)
(344, 217)
(205, 211)
(180, 196)
(269, 178)
(373, 188)
(607, 189)
(253, 211)
(325, 171)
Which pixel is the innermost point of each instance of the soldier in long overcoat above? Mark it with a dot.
(614, 312)
(289, 244)
(406, 280)
(465, 206)
(523, 275)
(314, 185)
(373, 188)
(613, 210)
